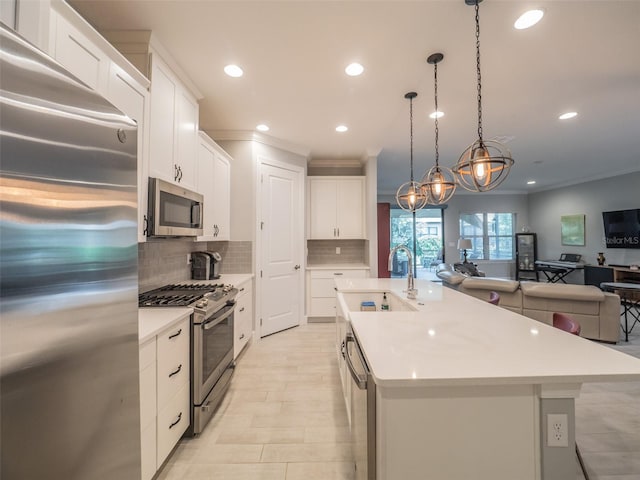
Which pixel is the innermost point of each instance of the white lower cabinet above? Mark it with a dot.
(173, 420)
(148, 408)
(165, 404)
(243, 317)
(321, 297)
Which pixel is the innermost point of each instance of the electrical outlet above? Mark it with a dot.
(557, 430)
(188, 258)
(337, 250)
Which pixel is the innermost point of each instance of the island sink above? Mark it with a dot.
(353, 301)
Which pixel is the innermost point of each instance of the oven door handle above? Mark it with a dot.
(217, 320)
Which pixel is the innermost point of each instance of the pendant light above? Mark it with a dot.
(410, 196)
(439, 183)
(485, 164)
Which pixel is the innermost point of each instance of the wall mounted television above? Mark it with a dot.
(622, 228)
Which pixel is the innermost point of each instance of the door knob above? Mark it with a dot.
(297, 267)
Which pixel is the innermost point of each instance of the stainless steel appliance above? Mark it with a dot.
(211, 341)
(173, 211)
(69, 388)
(363, 410)
(205, 265)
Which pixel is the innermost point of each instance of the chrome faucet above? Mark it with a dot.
(412, 293)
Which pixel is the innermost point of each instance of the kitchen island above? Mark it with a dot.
(465, 389)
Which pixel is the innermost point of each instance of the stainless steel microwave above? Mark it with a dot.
(173, 210)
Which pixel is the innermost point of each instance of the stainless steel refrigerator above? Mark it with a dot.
(69, 393)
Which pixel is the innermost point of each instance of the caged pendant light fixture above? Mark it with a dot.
(439, 183)
(485, 164)
(410, 196)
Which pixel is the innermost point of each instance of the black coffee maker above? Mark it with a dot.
(205, 265)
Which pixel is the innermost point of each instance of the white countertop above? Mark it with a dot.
(152, 321)
(455, 339)
(338, 266)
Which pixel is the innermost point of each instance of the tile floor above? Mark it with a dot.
(284, 419)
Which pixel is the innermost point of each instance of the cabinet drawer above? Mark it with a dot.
(339, 273)
(173, 420)
(323, 307)
(173, 361)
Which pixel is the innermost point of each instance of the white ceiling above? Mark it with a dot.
(583, 56)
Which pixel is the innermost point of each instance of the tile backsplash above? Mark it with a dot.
(322, 252)
(164, 261)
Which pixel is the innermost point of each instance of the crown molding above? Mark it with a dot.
(251, 136)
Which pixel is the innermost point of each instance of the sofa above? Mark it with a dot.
(598, 312)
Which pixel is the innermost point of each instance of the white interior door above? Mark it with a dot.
(281, 245)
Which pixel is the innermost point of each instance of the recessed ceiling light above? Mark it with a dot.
(354, 69)
(341, 128)
(436, 115)
(568, 115)
(233, 71)
(262, 127)
(531, 182)
(528, 19)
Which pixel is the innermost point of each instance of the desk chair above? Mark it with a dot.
(494, 298)
(568, 324)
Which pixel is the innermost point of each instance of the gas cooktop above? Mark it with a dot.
(182, 294)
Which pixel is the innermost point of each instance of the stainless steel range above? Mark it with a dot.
(211, 341)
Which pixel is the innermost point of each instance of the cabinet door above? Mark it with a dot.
(173, 361)
(162, 123)
(350, 208)
(322, 208)
(222, 197)
(133, 100)
(187, 138)
(243, 318)
(148, 409)
(78, 55)
(205, 185)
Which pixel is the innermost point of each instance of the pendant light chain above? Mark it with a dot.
(479, 74)
(435, 81)
(411, 135)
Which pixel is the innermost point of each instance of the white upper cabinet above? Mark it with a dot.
(213, 181)
(173, 127)
(336, 208)
(88, 56)
(133, 100)
(78, 54)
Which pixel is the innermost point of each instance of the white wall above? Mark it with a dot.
(462, 203)
(591, 199)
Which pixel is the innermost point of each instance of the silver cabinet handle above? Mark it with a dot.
(338, 273)
(241, 290)
(334, 232)
(175, 372)
(297, 267)
(241, 337)
(338, 231)
(175, 334)
(176, 422)
(242, 309)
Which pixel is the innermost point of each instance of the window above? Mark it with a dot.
(429, 228)
(491, 235)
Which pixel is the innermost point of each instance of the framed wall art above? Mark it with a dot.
(572, 230)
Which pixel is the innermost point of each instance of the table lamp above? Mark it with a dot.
(464, 244)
